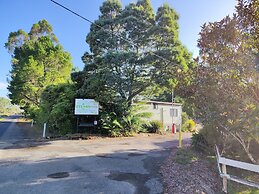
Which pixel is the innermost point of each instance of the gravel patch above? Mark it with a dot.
(199, 176)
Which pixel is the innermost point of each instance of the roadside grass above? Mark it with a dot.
(185, 156)
(24, 120)
(235, 188)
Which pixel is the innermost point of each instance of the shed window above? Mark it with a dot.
(174, 112)
(155, 106)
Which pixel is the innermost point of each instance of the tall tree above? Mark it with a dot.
(174, 70)
(125, 45)
(38, 60)
(226, 90)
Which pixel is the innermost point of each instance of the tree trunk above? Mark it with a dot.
(243, 144)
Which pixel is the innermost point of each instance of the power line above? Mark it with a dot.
(118, 36)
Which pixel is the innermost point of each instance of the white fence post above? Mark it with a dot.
(32, 123)
(224, 162)
(44, 130)
(225, 180)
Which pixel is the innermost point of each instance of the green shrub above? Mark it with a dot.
(189, 126)
(110, 125)
(153, 127)
(199, 142)
(115, 124)
(56, 108)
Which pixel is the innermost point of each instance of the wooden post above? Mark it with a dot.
(225, 180)
(77, 123)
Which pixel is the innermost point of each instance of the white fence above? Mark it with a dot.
(224, 162)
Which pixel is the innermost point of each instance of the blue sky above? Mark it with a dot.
(71, 30)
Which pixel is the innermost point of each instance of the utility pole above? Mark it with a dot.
(173, 127)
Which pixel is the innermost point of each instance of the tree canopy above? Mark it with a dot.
(226, 90)
(132, 50)
(38, 60)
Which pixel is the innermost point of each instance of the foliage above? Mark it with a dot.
(125, 125)
(56, 108)
(199, 142)
(225, 90)
(124, 70)
(189, 126)
(38, 60)
(248, 17)
(130, 50)
(154, 127)
(7, 108)
(110, 125)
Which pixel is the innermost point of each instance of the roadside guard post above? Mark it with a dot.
(44, 130)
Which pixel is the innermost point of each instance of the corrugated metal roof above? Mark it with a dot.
(160, 102)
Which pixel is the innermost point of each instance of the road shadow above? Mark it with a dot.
(122, 171)
(25, 143)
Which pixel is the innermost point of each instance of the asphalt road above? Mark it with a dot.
(113, 166)
(12, 132)
(5, 125)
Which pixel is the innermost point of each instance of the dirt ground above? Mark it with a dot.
(199, 176)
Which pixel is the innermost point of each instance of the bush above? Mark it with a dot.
(153, 127)
(199, 142)
(116, 124)
(57, 108)
(189, 126)
(110, 125)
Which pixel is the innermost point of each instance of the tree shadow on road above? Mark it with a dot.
(129, 170)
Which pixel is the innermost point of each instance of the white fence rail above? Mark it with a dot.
(222, 166)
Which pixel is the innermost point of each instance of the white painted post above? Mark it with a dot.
(32, 123)
(225, 180)
(162, 116)
(44, 130)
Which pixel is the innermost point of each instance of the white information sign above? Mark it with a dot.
(86, 107)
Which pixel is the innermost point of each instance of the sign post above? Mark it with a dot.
(86, 107)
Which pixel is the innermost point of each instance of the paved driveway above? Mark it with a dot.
(117, 165)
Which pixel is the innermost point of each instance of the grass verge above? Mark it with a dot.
(185, 156)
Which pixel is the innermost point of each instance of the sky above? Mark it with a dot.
(72, 30)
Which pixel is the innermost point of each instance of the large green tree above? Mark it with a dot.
(56, 108)
(38, 60)
(226, 91)
(132, 50)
